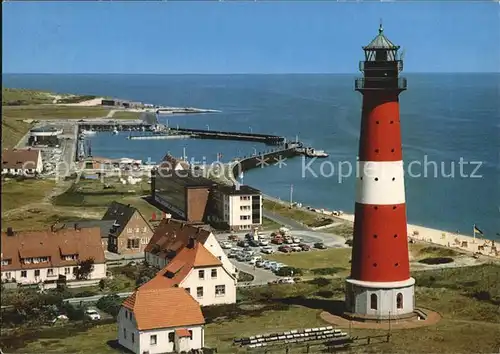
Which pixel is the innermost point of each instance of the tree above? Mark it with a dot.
(84, 269)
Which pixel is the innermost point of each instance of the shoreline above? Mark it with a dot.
(425, 234)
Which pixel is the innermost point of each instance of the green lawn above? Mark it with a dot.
(307, 217)
(126, 115)
(11, 96)
(270, 225)
(38, 112)
(18, 193)
(346, 230)
(468, 324)
(13, 130)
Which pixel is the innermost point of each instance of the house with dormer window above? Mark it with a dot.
(198, 271)
(50, 256)
(129, 233)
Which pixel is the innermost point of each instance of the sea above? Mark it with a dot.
(450, 128)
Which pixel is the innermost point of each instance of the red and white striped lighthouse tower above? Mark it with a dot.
(380, 285)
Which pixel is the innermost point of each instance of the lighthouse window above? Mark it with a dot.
(375, 207)
(373, 301)
(377, 122)
(376, 178)
(376, 150)
(375, 236)
(374, 264)
(392, 150)
(395, 235)
(396, 264)
(392, 122)
(394, 208)
(399, 301)
(393, 178)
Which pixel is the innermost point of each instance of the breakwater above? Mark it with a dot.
(224, 135)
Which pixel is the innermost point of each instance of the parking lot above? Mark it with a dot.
(248, 253)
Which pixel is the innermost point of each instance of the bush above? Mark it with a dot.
(245, 277)
(110, 304)
(436, 260)
(86, 293)
(320, 281)
(289, 271)
(325, 271)
(74, 313)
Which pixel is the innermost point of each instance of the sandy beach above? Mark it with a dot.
(445, 238)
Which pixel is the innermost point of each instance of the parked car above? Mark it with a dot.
(320, 245)
(286, 280)
(277, 240)
(277, 266)
(259, 264)
(296, 248)
(263, 242)
(253, 243)
(267, 250)
(288, 240)
(255, 259)
(232, 254)
(233, 238)
(243, 244)
(92, 314)
(285, 249)
(270, 264)
(226, 245)
(304, 247)
(296, 239)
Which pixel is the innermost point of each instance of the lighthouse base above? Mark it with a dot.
(380, 300)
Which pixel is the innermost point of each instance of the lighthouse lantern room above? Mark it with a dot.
(380, 286)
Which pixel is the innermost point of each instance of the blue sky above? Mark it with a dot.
(244, 37)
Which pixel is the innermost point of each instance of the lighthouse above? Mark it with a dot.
(380, 286)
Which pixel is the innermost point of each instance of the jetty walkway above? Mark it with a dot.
(223, 135)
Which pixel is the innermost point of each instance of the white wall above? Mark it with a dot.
(99, 272)
(208, 283)
(235, 212)
(142, 339)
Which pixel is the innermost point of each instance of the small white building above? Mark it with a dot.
(22, 162)
(161, 320)
(198, 271)
(171, 236)
(239, 207)
(46, 257)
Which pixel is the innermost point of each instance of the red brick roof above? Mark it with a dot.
(85, 243)
(164, 308)
(172, 236)
(20, 158)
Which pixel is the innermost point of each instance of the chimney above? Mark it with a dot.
(182, 225)
(76, 227)
(10, 232)
(53, 227)
(237, 186)
(191, 242)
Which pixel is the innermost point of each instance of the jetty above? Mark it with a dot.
(159, 137)
(224, 135)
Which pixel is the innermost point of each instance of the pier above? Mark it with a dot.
(222, 135)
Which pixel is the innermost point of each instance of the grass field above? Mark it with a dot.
(86, 199)
(18, 193)
(12, 131)
(269, 225)
(126, 115)
(468, 324)
(306, 217)
(12, 96)
(346, 230)
(52, 112)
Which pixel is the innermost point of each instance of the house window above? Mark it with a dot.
(201, 274)
(137, 230)
(6, 262)
(67, 271)
(188, 290)
(152, 339)
(145, 229)
(74, 270)
(50, 272)
(7, 275)
(214, 273)
(133, 337)
(171, 337)
(124, 333)
(129, 230)
(220, 290)
(373, 301)
(199, 291)
(190, 334)
(133, 243)
(24, 273)
(399, 301)
(37, 272)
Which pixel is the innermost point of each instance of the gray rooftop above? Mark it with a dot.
(381, 42)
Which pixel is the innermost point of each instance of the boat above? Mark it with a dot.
(310, 152)
(115, 131)
(88, 132)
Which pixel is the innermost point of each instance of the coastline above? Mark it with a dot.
(427, 235)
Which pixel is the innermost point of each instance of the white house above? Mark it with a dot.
(46, 257)
(198, 271)
(27, 162)
(161, 320)
(239, 207)
(171, 236)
